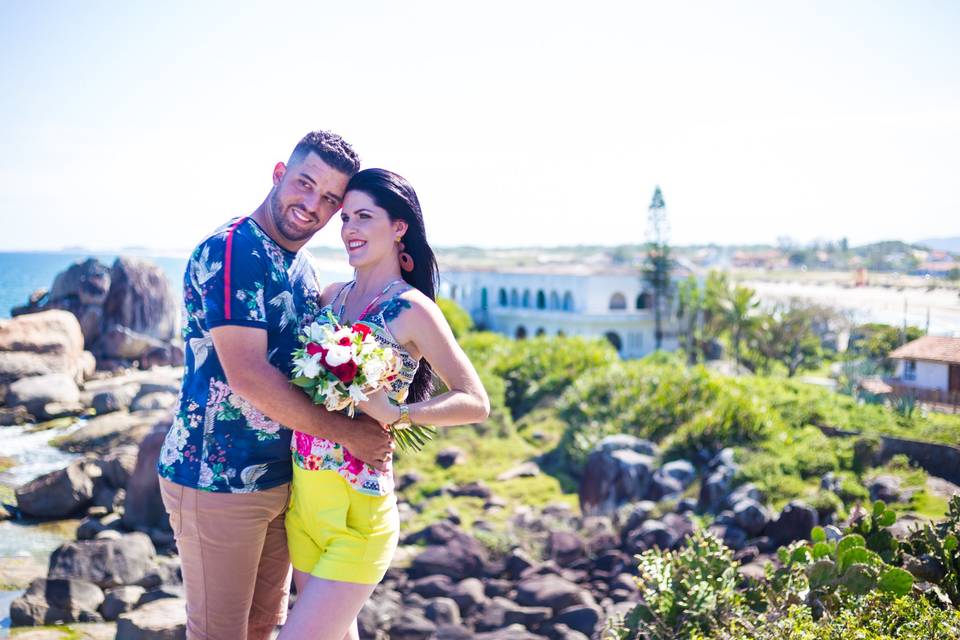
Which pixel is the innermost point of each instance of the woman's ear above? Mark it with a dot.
(400, 226)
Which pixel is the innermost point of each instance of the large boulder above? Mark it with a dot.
(34, 393)
(751, 516)
(160, 620)
(143, 509)
(141, 299)
(551, 591)
(58, 494)
(794, 523)
(106, 433)
(56, 602)
(105, 562)
(40, 344)
(613, 477)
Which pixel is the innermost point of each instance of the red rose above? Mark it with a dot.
(346, 372)
(362, 329)
(313, 349)
(345, 341)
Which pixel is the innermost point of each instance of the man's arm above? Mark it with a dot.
(243, 354)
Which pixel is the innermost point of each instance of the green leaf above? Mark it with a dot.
(878, 508)
(800, 554)
(817, 534)
(821, 573)
(888, 518)
(858, 579)
(859, 555)
(304, 382)
(822, 550)
(850, 541)
(896, 581)
(950, 542)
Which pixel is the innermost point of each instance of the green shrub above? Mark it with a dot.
(459, 320)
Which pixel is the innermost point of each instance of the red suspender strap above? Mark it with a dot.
(227, 267)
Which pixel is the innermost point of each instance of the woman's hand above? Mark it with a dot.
(379, 407)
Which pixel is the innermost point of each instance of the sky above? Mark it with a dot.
(148, 124)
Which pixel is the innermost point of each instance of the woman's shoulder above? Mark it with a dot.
(330, 292)
(412, 304)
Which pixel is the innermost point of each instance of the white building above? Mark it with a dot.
(930, 362)
(571, 300)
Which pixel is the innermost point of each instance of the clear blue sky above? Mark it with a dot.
(519, 123)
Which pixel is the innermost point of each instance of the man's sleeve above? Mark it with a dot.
(231, 275)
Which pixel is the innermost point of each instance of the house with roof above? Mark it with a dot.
(929, 363)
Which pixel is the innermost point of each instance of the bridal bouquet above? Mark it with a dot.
(339, 365)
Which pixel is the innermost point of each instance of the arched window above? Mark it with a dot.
(614, 339)
(502, 297)
(526, 298)
(483, 298)
(618, 302)
(514, 298)
(541, 332)
(541, 300)
(554, 300)
(568, 301)
(643, 301)
(521, 332)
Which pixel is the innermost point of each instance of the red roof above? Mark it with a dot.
(932, 348)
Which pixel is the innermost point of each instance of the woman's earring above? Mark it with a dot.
(406, 262)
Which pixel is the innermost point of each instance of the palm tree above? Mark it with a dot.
(739, 309)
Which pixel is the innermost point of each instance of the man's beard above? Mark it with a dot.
(276, 213)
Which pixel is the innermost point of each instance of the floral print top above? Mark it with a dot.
(237, 276)
(318, 454)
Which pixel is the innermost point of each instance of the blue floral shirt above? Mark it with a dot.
(237, 276)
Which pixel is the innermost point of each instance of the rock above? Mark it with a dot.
(472, 490)
(926, 567)
(612, 478)
(648, 535)
(412, 626)
(119, 464)
(715, 488)
(35, 392)
(142, 300)
(526, 616)
(432, 586)
(513, 632)
(120, 600)
(518, 562)
(564, 547)
(682, 470)
(156, 401)
(408, 479)
(460, 556)
(751, 516)
(106, 563)
(664, 487)
(15, 415)
(144, 508)
(730, 534)
(620, 441)
(886, 488)
(551, 591)
(165, 573)
(117, 399)
(639, 512)
(563, 632)
(452, 632)
(746, 491)
(527, 469)
(107, 432)
(169, 591)
(161, 620)
(450, 456)
(442, 611)
(52, 601)
(794, 523)
(753, 571)
(470, 595)
(58, 494)
(38, 344)
(724, 458)
(582, 618)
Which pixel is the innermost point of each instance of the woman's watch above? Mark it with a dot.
(404, 419)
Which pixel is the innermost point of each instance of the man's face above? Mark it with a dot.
(304, 198)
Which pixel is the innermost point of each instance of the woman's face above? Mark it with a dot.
(367, 232)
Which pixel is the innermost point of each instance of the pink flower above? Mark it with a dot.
(304, 444)
(354, 465)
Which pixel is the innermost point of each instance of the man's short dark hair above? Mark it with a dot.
(331, 148)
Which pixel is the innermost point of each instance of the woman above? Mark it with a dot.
(343, 525)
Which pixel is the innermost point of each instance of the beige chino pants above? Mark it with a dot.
(235, 563)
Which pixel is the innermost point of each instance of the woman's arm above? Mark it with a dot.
(424, 331)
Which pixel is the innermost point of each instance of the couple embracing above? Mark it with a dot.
(254, 475)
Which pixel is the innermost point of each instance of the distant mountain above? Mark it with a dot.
(942, 244)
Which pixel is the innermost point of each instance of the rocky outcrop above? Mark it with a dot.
(42, 344)
(52, 601)
(58, 494)
(144, 510)
(160, 620)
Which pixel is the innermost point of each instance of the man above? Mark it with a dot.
(225, 466)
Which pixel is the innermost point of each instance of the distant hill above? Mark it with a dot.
(942, 244)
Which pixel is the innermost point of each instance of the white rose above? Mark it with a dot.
(315, 332)
(309, 367)
(338, 354)
(373, 370)
(343, 332)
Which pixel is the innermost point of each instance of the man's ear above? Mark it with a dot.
(278, 170)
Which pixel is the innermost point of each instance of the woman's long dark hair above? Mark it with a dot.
(394, 194)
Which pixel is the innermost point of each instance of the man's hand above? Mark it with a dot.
(370, 442)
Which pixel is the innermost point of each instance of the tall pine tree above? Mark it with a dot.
(657, 267)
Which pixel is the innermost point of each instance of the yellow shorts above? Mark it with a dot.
(337, 533)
